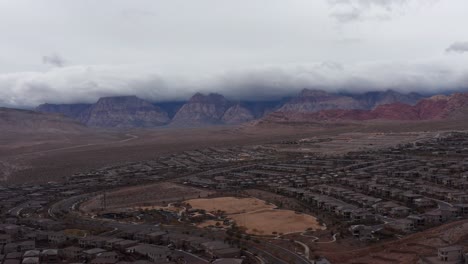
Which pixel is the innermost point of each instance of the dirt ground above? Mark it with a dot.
(279, 221)
(51, 157)
(230, 205)
(258, 216)
(158, 194)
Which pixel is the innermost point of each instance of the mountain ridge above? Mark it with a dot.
(434, 108)
(214, 109)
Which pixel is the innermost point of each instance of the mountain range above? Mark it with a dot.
(439, 107)
(131, 111)
(215, 109)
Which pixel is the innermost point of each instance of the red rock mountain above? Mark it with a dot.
(124, 112)
(237, 114)
(116, 112)
(309, 101)
(316, 100)
(202, 110)
(434, 108)
(214, 109)
(370, 100)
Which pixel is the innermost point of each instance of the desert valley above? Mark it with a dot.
(316, 177)
(233, 132)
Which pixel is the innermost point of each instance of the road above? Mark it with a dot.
(16, 211)
(67, 205)
(442, 204)
(306, 249)
(131, 137)
(298, 259)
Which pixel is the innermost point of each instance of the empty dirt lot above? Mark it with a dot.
(258, 216)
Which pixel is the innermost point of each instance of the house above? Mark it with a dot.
(106, 258)
(435, 217)
(152, 252)
(451, 254)
(50, 256)
(423, 203)
(30, 260)
(404, 225)
(364, 233)
(72, 252)
(111, 242)
(220, 249)
(37, 236)
(122, 245)
(462, 209)
(194, 243)
(92, 253)
(400, 211)
(92, 242)
(109, 255)
(26, 245)
(56, 238)
(417, 220)
(31, 253)
(141, 236)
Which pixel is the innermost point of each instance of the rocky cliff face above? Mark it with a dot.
(114, 112)
(125, 112)
(316, 100)
(370, 100)
(237, 114)
(214, 109)
(202, 110)
(309, 101)
(434, 108)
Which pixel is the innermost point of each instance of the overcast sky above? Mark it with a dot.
(64, 51)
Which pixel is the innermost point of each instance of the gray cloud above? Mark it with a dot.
(168, 50)
(351, 15)
(361, 10)
(53, 60)
(75, 84)
(459, 47)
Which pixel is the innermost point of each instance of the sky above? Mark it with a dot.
(66, 51)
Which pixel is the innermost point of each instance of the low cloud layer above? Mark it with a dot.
(249, 49)
(459, 47)
(85, 84)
